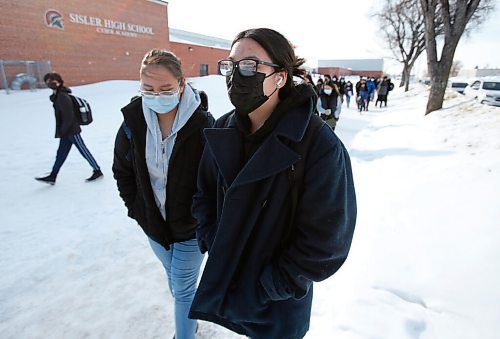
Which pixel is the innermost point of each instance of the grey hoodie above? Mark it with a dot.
(158, 151)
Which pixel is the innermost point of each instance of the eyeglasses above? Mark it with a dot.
(151, 94)
(246, 67)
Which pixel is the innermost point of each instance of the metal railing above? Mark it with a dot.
(19, 74)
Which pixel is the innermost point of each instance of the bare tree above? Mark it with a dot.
(455, 15)
(456, 66)
(403, 26)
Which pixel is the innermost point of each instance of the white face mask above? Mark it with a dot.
(328, 91)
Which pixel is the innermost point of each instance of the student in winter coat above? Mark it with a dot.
(342, 87)
(330, 104)
(155, 167)
(382, 90)
(266, 248)
(370, 84)
(319, 85)
(67, 130)
(348, 90)
(364, 96)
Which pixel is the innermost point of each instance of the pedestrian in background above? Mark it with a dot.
(319, 85)
(370, 84)
(329, 104)
(156, 158)
(348, 90)
(67, 129)
(382, 90)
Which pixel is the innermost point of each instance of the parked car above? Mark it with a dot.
(485, 90)
(457, 84)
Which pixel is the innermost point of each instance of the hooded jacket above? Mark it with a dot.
(255, 282)
(161, 205)
(66, 120)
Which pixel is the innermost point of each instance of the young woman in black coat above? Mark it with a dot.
(157, 152)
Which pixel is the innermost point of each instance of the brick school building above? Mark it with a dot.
(88, 41)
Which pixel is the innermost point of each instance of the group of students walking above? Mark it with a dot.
(332, 92)
(266, 190)
(366, 89)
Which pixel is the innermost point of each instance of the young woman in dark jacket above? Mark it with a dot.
(157, 153)
(67, 129)
(262, 261)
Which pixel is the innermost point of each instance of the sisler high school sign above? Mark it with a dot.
(55, 19)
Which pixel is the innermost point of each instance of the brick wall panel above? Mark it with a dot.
(79, 52)
(191, 60)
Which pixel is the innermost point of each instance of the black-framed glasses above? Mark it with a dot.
(246, 67)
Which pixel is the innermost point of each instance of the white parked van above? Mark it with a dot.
(485, 90)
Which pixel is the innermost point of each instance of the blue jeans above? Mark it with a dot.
(348, 100)
(182, 264)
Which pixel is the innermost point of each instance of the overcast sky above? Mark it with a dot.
(322, 29)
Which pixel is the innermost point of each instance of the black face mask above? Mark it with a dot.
(52, 85)
(246, 93)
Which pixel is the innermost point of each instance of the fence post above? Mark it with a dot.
(4, 77)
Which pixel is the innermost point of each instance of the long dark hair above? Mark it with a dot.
(281, 52)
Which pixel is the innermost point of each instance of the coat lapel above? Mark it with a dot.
(272, 157)
(226, 146)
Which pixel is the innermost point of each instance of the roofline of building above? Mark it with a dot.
(159, 2)
(365, 64)
(185, 37)
(371, 59)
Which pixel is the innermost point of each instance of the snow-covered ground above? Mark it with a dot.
(423, 263)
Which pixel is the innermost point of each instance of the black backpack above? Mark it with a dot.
(82, 110)
(204, 100)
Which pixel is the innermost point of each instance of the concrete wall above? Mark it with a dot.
(97, 40)
(476, 73)
(338, 71)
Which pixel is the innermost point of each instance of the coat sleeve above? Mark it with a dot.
(205, 202)
(68, 116)
(338, 108)
(324, 225)
(123, 171)
(319, 107)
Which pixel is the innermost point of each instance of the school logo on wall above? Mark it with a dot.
(54, 19)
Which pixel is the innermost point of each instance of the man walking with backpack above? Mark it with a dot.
(67, 129)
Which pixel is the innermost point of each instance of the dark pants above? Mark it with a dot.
(64, 148)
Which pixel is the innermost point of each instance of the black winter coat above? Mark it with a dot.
(254, 283)
(329, 101)
(66, 120)
(348, 89)
(133, 181)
